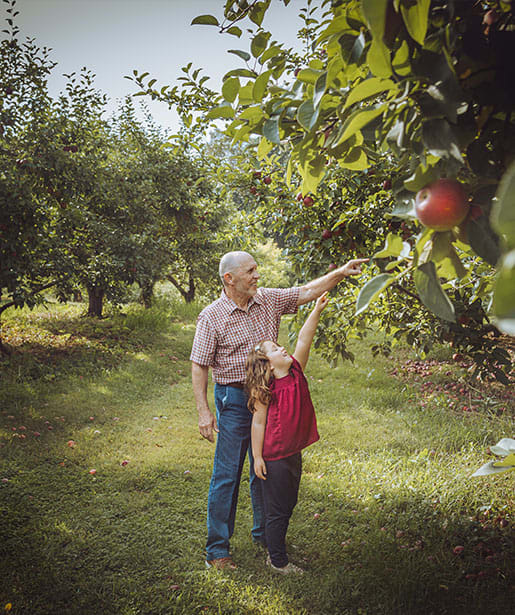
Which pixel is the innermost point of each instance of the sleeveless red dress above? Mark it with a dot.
(291, 422)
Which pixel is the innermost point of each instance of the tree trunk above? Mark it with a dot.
(96, 298)
(147, 294)
(189, 294)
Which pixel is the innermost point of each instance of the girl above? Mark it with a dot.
(283, 423)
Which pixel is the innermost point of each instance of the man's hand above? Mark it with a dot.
(260, 468)
(207, 424)
(353, 267)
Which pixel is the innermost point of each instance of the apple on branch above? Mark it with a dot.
(442, 204)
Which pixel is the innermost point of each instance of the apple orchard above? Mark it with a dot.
(392, 135)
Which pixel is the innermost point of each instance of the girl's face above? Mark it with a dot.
(280, 360)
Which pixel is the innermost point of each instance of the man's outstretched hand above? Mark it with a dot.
(353, 267)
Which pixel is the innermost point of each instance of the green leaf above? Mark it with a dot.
(356, 160)
(251, 113)
(483, 239)
(242, 54)
(245, 96)
(205, 20)
(235, 31)
(415, 16)
(222, 111)
(378, 59)
(422, 177)
(258, 12)
(230, 89)
(504, 294)
(431, 292)
(271, 129)
(240, 72)
(271, 52)
(404, 208)
(393, 247)
(503, 210)
(258, 43)
(312, 173)
(360, 118)
(320, 87)
(374, 12)
(260, 85)
(401, 60)
(366, 89)
(264, 147)
(372, 290)
(308, 75)
(440, 139)
(307, 115)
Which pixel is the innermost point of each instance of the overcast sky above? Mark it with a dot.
(113, 37)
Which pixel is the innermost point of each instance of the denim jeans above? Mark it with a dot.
(280, 493)
(233, 443)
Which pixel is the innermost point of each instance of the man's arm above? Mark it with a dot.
(206, 419)
(257, 436)
(312, 290)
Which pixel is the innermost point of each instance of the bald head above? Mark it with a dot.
(232, 261)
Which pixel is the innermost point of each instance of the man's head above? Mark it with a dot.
(238, 272)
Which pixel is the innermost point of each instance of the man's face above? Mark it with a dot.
(245, 277)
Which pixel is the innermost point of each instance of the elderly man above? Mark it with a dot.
(226, 331)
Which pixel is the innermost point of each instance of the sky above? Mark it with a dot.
(113, 37)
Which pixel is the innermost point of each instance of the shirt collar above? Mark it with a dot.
(230, 306)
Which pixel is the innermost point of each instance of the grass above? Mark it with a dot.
(386, 494)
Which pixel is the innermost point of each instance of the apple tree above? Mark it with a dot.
(429, 83)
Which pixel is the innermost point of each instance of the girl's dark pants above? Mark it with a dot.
(280, 492)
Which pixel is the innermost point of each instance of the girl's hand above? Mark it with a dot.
(322, 301)
(260, 468)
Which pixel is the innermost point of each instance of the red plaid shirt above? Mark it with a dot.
(226, 334)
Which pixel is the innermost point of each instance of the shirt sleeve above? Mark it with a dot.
(285, 300)
(204, 343)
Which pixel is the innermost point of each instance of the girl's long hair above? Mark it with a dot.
(258, 376)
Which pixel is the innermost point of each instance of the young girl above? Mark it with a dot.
(283, 423)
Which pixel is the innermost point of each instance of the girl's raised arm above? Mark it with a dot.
(307, 331)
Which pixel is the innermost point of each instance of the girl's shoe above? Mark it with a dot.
(288, 569)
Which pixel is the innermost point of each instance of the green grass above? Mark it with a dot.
(385, 496)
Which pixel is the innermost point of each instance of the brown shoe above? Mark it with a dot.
(221, 563)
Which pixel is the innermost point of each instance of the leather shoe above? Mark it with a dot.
(221, 563)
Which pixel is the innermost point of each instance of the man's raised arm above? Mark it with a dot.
(314, 289)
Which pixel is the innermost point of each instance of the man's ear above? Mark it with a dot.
(228, 278)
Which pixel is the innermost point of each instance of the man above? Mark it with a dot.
(226, 332)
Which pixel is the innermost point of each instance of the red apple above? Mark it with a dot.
(299, 196)
(253, 190)
(308, 201)
(441, 205)
(387, 184)
(326, 234)
(331, 266)
(256, 174)
(267, 180)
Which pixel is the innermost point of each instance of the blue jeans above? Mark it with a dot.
(233, 443)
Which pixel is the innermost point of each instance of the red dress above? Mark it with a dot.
(291, 423)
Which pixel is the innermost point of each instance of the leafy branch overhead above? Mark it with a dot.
(429, 84)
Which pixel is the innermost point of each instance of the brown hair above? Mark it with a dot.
(258, 376)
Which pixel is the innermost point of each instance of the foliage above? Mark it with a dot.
(505, 449)
(94, 203)
(427, 85)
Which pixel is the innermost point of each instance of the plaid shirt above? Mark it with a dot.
(226, 334)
